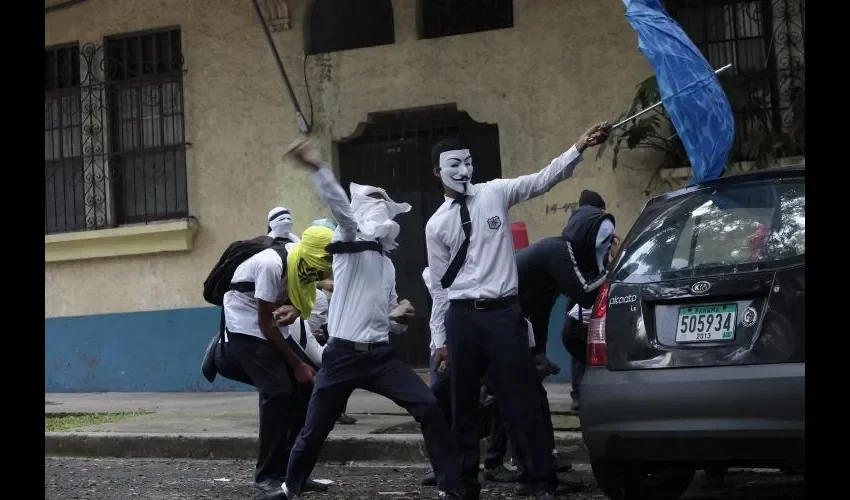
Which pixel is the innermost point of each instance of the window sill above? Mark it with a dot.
(172, 236)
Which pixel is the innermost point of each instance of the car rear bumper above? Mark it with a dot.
(738, 414)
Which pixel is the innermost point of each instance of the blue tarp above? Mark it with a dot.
(690, 91)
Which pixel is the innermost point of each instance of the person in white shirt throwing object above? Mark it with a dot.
(471, 257)
(358, 354)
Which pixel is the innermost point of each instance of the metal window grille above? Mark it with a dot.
(115, 149)
(764, 40)
(147, 141)
(63, 144)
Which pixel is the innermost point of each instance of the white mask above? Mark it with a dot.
(374, 216)
(280, 222)
(456, 169)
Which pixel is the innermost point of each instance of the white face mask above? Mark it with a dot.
(280, 222)
(375, 216)
(456, 169)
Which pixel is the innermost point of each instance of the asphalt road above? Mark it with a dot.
(156, 479)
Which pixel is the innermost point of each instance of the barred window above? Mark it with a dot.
(115, 148)
(145, 87)
(763, 40)
(63, 158)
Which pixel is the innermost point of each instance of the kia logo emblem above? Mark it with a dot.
(700, 287)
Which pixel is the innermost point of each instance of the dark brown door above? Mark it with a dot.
(392, 150)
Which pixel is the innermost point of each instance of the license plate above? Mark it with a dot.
(706, 323)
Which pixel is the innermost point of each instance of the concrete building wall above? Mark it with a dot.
(563, 66)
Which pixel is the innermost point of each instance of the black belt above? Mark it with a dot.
(486, 304)
(243, 286)
(357, 346)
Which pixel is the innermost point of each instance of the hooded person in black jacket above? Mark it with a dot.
(569, 265)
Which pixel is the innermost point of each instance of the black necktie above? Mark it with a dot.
(303, 340)
(460, 257)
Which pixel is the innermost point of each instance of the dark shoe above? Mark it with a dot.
(574, 407)
(208, 364)
(346, 419)
(501, 475)
(523, 490)
(449, 495)
(430, 479)
(311, 485)
(562, 464)
(269, 489)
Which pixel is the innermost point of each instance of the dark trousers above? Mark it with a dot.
(498, 442)
(577, 369)
(382, 372)
(442, 390)
(228, 366)
(283, 402)
(540, 323)
(495, 342)
(575, 339)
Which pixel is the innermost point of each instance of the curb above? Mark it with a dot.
(403, 448)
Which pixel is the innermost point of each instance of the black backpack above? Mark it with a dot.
(218, 281)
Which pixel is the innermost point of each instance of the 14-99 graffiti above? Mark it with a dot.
(556, 208)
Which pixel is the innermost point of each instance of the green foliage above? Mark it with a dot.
(749, 95)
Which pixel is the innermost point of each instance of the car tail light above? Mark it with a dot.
(597, 348)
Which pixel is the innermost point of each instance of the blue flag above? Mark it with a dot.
(689, 89)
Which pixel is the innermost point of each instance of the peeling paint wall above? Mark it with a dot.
(564, 66)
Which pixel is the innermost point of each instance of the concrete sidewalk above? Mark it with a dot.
(224, 425)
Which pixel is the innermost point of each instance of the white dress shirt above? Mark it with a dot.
(319, 314)
(265, 269)
(490, 268)
(364, 283)
(438, 315)
(312, 348)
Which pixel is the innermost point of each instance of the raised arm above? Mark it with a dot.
(334, 196)
(304, 155)
(533, 185)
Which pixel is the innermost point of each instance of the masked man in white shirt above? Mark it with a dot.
(358, 354)
(471, 256)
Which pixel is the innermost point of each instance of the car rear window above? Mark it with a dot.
(729, 229)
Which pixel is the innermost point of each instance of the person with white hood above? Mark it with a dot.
(280, 225)
(358, 353)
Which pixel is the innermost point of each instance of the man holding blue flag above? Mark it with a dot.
(690, 90)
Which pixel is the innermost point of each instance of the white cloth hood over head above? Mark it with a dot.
(375, 216)
(280, 224)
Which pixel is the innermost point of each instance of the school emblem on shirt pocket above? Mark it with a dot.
(494, 222)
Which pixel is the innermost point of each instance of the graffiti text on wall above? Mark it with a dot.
(560, 208)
